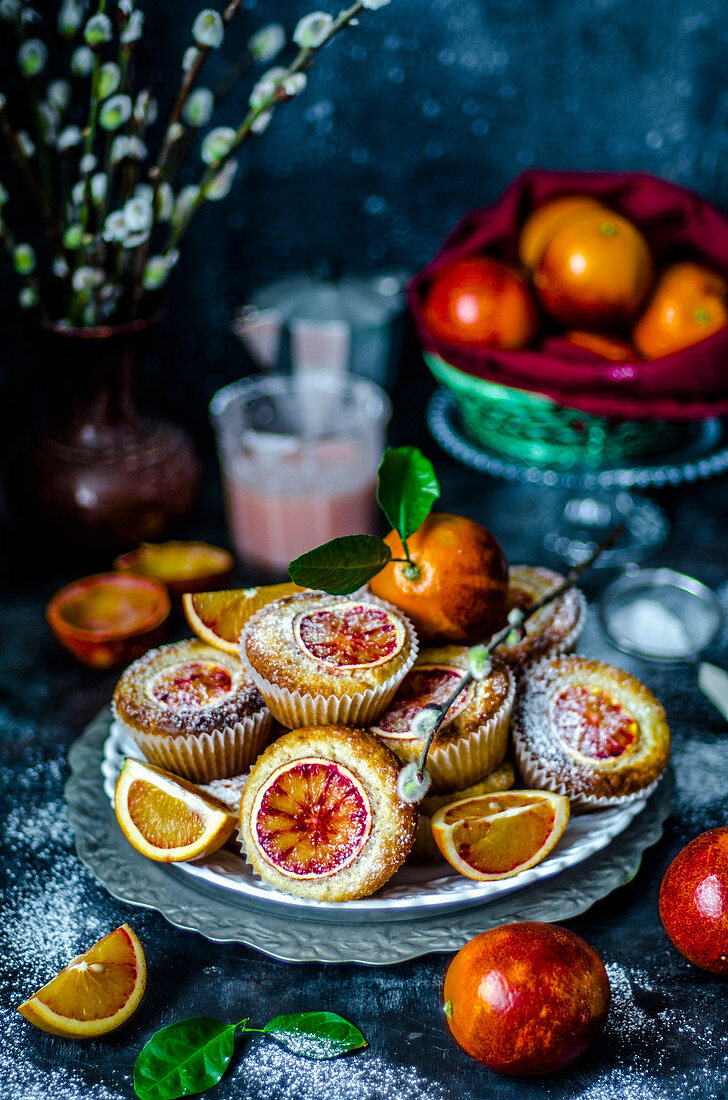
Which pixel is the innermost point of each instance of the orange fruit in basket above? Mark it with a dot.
(496, 836)
(690, 302)
(219, 617)
(182, 566)
(166, 818)
(480, 302)
(526, 998)
(540, 226)
(607, 347)
(457, 589)
(595, 271)
(95, 993)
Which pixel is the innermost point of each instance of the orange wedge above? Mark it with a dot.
(165, 817)
(95, 993)
(496, 836)
(219, 617)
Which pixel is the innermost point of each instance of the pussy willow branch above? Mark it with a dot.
(498, 639)
(8, 241)
(303, 59)
(159, 172)
(39, 195)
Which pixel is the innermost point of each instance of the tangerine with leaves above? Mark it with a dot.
(454, 585)
(595, 272)
(526, 998)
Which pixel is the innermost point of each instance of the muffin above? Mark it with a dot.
(320, 815)
(424, 849)
(554, 629)
(193, 710)
(589, 731)
(321, 660)
(474, 736)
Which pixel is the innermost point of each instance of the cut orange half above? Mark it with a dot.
(496, 836)
(165, 817)
(219, 617)
(95, 993)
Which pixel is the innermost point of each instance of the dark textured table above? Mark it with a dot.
(665, 1038)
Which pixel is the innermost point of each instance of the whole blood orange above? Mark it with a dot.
(480, 302)
(456, 588)
(540, 226)
(694, 901)
(526, 998)
(690, 302)
(595, 271)
(606, 347)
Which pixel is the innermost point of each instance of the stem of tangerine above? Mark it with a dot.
(501, 636)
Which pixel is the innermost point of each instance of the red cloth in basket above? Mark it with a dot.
(690, 384)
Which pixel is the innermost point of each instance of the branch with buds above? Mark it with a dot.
(85, 163)
(414, 782)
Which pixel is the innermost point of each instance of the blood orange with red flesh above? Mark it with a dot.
(191, 685)
(350, 635)
(589, 722)
(425, 685)
(311, 819)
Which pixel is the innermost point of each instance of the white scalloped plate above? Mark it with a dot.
(414, 892)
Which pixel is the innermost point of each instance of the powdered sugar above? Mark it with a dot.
(669, 1046)
(54, 911)
(267, 1070)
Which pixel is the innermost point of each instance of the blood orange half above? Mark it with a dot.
(592, 724)
(349, 635)
(425, 685)
(311, 818)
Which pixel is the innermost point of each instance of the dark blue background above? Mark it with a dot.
(422, 112)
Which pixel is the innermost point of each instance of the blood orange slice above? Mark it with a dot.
(425, 685)
(592, 724)
(191, 685)
(349, 635)
(165, 817)
(95, 993)
(311, 818)
(496, 836)
(219, 617)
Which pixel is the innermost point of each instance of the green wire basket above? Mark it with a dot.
(535, 429)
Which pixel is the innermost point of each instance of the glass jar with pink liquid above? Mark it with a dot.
(299, 457)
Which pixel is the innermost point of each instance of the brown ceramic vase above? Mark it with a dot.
(99, 473)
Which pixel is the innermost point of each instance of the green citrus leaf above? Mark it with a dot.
(315, 1034)
(407, 488)
(185, 1058)
(342, 565)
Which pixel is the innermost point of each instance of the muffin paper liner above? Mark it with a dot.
(203, 757)
(295, 709)
(537, 778)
